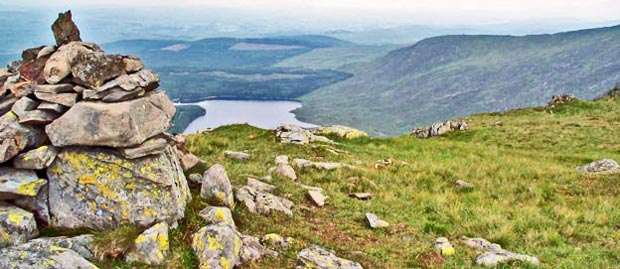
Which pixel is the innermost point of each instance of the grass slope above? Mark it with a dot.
(527, 196)
(335, 57)
(454, 76)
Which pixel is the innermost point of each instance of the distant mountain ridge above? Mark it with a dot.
(455, 76)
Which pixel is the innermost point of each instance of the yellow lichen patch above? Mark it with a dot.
(214, 244)
(57, 248)
(225, 263)
(219, 215)
(31, 188)
(16, 218)
(140, 239)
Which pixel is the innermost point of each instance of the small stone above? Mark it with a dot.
(46, 51)
(65, 29)
(262, 202)
(194, 179)
(215, 215)
(253, 249)
(276, 240)
(132, 64)
(36, 159)
(52, 107)
(319, 258)
(375, 222)
(38, 117)
(188, 160)
(361, 195)
(327, 166)
(216, 188)
(463, 185)
(151, 146)
(236, 155)
(151, 247)
(301, 163)
(260, 186)
(21, 89)
(600, 166)
(285, 170)
(317, 197)
(17, 226)
(266, 178)
(493, 254)
(37, 205)
(282, 159)
(443, 246)
(17, 182)
(22, 105)
(31, 54)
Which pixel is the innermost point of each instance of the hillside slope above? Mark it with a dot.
(455, 76)
(527, 195)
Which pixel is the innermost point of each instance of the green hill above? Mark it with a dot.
(455, 76)
(527, 194)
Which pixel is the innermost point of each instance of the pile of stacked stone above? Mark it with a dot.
(84, 145)
(440, 128)
(560, 99)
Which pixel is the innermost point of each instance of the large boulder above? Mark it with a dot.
(216, 188)
(122, 124)
(217, 246)
(16, 137)
(65, 29)
(16, 182)
(316, 257)
(42, 254)
(17, 226)
(98, 188)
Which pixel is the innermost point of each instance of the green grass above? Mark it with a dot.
(527, 195)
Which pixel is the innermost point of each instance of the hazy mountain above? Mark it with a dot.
(455, 76)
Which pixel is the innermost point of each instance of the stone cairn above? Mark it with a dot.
(84, 145)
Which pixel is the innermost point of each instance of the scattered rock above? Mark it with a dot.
(361, 195)
(493, 254)
(277, 241)
(327, 166)
(217, 247)
(39, 254)
(293, 134)
(17, 226)
(320, 258)
(301, 163)
(443, 246)
(560, 99)
(498, 123)
(375, 222)
(283, 159)
(340, 131)
(441, 128)
(36, 159)
(463, 185)
(17, 182)
(216, 188)
(65, 29)
(101, 124)
(151, 247)
(260, 186)
(285, 170)
(253, 249)
(98, 188)
(188, 160)
(82, 244)
(237, 155)
(262, 202)
(194, 179)
(214, 215)
(317, 197)
(600, 166)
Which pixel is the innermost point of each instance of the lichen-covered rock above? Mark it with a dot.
(188, 160)
(94, 68)
(253, 249)
(16, 137)
(443, 246)
(262, 202)
(340, 131)
(123, 124)
(36, 159)
(216, 214)
(65, 29)
(98, 188)
(217, 247)
(315, 257)
(82, 244)
(276, 241)
(38, 205)
(492, 254)
(58, 66)
(39, 254)
(600, 166)
(17, 182)
(151, 247)
(216, 188)
(259, 185)
(17, 226)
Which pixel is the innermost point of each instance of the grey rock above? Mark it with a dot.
(123, 124)
(22, 105)
(361, 195)
(283, 159)
(327, 166)
(317, 198)
(17, 226)
(216, 188)
(6, 103)
(285, 170)
(124, 87)
(17, 182)
(293, 134)
(65, 29)
(600, 166)
(66, 99)
(194, 179)
(463, 185)
(38, 117)
(36, 159)
(236, 155)
(492, 254)
(262, 202)
(150, 247)
(81, 244)
(39, 254)
(276, 241)
(320, 258)
(443, 246)
(37, 205)
(259, 185)
(440, 128)
(375, 222)
(53, 107)
(253, 249)
(153, 146)
(217, 247)
(94, 68)
(16, 137)
(217, 214)
(188, 160)
(98, 188)
(301, 163)
(54, 89)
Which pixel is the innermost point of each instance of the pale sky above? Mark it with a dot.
(462, 10)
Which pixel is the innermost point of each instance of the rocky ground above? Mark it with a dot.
(90, 178)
